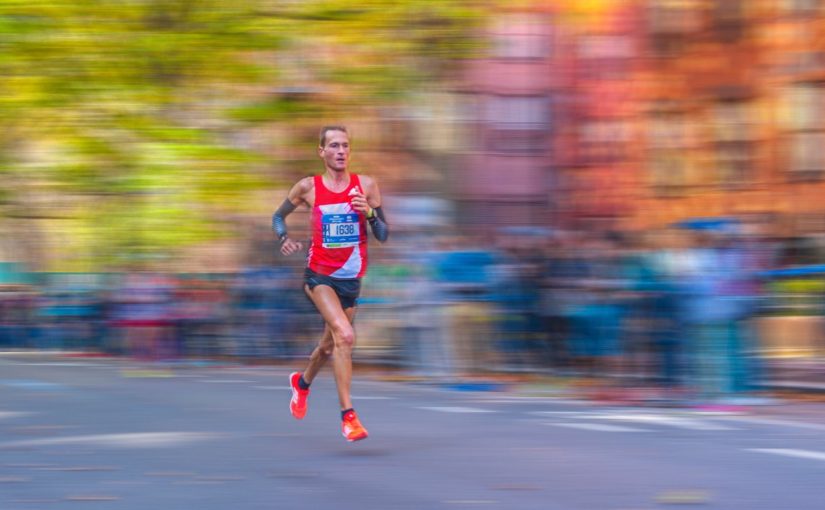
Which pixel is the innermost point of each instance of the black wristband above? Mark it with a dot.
(279, 219)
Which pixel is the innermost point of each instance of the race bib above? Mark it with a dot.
(340, 230)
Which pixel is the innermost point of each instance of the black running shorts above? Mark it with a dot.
(346, 289)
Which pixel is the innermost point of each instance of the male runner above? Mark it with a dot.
(342, 203)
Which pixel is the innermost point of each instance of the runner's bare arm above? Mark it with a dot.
(375, 213)
(297, 195)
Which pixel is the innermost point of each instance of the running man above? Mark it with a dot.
(342, 203)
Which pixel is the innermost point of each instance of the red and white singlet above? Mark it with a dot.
(339, 233)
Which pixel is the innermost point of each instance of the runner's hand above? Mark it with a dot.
(359, 203)
(289, 247)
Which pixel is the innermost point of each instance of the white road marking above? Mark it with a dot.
(577, 414)
(661, 419)
(456, 409)
(789, 452)
(132, 440)
(598, 427)
(357, 397)
(519, 400)
(5, 415)
(61, 364)
(664, 419)
(33, 385)
(13, 479)
(771, 421)
(170, 473)
(227, 381)
(79, 468)
(272, 388)
(93, 497)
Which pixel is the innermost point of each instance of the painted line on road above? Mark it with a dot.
(131, 440)
(14, 479)
(374, 397)
(34, 385)
(79, 469)
(576, 414)
(61, 364)
(789, 452)
(664, 419)
(597, 427)
(170, 474)
(272, 388)
(771, 421)
(227, 381)
(93, 497)
(456, 409)
(519, 400)
(5, 415)
(654, 418)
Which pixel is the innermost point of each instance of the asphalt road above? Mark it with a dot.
(110, 434)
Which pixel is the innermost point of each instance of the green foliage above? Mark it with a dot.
(141, 107)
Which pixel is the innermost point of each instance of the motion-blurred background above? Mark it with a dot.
(630, 188)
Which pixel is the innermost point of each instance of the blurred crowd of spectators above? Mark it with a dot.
(258, 313)
(672, 308)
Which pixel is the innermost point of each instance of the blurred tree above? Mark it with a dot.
(133, 129)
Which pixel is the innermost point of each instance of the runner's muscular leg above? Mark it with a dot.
(324, 349)
(339, 324)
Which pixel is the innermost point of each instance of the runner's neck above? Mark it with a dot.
(336, 181)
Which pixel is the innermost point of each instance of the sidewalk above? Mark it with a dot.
(801, 374)
(803, 407)
(803, 402)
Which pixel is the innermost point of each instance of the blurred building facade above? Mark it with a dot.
(598, 157)
(504, 174)
(727, 109)
(645, 113)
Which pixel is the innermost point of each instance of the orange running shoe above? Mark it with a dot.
(298, 403)
(352, 429)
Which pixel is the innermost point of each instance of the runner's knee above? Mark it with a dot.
(343, 333)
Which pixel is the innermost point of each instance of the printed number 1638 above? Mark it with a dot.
(343, 229)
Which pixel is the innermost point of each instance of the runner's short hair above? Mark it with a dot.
(327, 129)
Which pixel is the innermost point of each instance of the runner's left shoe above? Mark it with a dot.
(352, 429)
(298, 403)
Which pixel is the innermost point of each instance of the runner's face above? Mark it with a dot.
(336, 152)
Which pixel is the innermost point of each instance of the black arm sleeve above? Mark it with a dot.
(379, 226)
(278, 219)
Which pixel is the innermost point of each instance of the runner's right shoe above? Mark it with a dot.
(298, 403)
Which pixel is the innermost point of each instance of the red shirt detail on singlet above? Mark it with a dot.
(339, 233)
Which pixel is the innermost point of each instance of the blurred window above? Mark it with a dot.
(729, 19)
(518, 123)
(468, 113)
(806, 153)
(518, 112)
(801, 117)
(733, 132)
(521, 37)
(605, 56)
(673, 16)
(606, 47)
(604, 141)
(800, 7)
(669, 141)
(802, 107)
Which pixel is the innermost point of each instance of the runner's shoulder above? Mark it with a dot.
(366, 180)
(306, 184)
